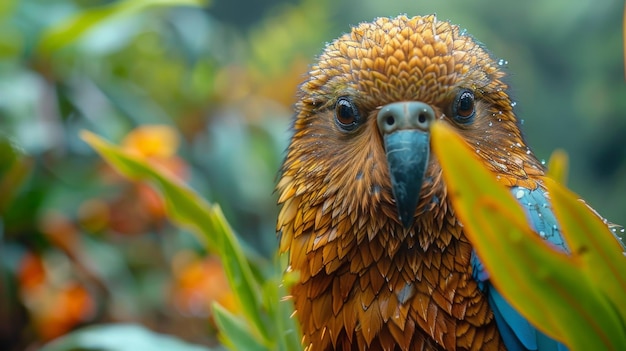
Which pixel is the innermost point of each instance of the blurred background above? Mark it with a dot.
(206, 93)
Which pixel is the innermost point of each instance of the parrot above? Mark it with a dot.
(365, 217)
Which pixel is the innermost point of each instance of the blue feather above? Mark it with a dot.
(516, 332)
(540, 215)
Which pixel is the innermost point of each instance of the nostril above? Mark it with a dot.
(390, 121)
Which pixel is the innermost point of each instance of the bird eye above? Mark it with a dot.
(463, 108)
(346, 114)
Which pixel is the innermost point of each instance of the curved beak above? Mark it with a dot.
(405, 127)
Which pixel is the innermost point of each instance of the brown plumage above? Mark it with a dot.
(366, 281)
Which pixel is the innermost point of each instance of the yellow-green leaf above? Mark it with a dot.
(233, 331)
(558, 165)
(544, 285)
(290, 338)
(599, 251)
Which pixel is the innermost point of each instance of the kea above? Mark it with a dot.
(383, 263)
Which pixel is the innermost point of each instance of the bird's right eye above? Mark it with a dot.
(463, 108)
(346, 114)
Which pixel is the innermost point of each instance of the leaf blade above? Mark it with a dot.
(233, 331)
(600, 252)
(558, 165)
(487, 210)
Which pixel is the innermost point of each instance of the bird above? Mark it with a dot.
(365, 216)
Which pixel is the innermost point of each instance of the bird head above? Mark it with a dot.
(361, 142)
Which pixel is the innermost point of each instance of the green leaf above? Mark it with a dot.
(189, 210)
(558, 165)
(282, 312)
(546, 286)
(119, 337)
(234, 332)
(240, 275)
(69, 30)
(599, 251)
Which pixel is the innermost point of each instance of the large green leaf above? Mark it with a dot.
(546, 286)
(119, 337)
(73, 28)
(599, 251)
(187, 209)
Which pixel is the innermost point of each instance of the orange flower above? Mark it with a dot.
(151, 200)
(158, 145)
(158, 141)
(31, 273)
(55, 306)
(198, 282)
(141, 206)
(57, 311)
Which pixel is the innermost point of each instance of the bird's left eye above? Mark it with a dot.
(463, 108)
(346, 114)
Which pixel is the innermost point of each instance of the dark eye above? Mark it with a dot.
(346, 114)
(463, 108)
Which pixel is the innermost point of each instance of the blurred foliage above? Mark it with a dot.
(205, 93)
(174, 85)
(256, 298)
